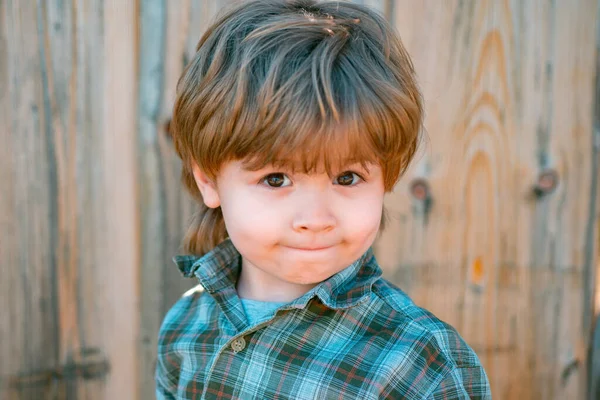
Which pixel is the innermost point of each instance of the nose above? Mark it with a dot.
(314, 216)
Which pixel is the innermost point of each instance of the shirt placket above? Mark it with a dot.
(236, 344)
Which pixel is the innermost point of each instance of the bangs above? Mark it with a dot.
(301, 88)
(311, 149)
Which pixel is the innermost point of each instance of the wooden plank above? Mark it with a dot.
(594, 384)
(10, 362)
(57, 26)
(592, 248)
(28, 250)
(57, 134)
(53, 81)
(151, 180)
(98, 265)
(507, 91)
(119, 276)
(571, 146)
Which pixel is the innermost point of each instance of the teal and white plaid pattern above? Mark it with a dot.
(354, 336)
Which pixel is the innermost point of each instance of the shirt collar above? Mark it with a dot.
(219, 270)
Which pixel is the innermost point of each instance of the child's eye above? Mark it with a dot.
(276, 180)
(348, 178)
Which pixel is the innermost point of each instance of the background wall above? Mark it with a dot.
(492, 229)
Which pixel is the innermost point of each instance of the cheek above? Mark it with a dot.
(363, 220)
(246, 217)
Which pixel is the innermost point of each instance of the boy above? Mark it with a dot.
(293, 120)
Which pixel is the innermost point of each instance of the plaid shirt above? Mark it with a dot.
(353, 336)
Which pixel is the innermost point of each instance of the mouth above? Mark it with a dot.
(317, 248)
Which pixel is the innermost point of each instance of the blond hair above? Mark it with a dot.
(319, 80)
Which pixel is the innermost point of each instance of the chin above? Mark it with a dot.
(311, 279)
(304, 282)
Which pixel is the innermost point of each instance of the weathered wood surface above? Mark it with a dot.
(509, 91)
(69, 282)
(594, 226)
(91, 209)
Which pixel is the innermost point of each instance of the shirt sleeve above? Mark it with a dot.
(463, 383)
(166, 375)
(166, 378)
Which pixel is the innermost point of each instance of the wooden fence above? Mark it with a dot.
(492, 229)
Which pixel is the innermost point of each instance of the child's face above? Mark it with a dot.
(294, 228)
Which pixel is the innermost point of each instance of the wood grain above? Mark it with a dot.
(28, 249)
(121, 261)
(151, 183)
(508, 95)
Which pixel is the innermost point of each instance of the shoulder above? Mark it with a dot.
(450, 363)
(425, 324)
(190, 311)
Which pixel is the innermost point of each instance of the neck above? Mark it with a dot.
(254, 284)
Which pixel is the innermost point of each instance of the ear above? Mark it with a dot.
(207, 187)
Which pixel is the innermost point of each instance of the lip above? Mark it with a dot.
(310, 248)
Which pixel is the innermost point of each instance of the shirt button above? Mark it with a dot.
(238, 344)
